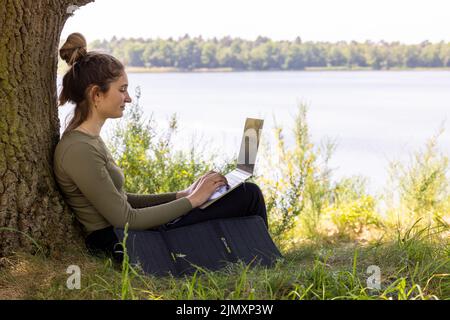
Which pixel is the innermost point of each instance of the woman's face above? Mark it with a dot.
(112, 103)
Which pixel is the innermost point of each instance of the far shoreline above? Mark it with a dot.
(229, 70)
(61, 71)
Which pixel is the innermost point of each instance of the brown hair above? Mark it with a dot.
(87, 69)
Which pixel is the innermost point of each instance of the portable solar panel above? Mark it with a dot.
(210, 245)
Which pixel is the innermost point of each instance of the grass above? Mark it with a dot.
(415, 268)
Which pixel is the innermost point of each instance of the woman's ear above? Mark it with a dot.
(94, 94)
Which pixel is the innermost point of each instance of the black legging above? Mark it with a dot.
(245, 200)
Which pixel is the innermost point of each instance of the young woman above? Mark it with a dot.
(92, 183)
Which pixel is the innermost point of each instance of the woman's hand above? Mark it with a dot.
(188, 190)
(191, 188)
(205, 187)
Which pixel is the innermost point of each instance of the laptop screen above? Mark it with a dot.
(249, 145)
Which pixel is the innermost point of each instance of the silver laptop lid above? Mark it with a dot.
(250, 144)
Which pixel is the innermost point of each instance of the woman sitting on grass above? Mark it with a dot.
(92, 183)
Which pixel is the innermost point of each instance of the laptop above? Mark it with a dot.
(245, 163)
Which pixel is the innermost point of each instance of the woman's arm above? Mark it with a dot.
(87, 168)
(149, 200)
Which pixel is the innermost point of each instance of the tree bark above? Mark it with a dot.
(31, 206)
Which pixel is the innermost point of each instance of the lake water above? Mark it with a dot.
(374, 117)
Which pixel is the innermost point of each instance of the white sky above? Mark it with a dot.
(407, 21)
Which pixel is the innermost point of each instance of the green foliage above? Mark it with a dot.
(419, 190)
(264, 54)
(127, 289)
(150, 162)
(295, 183)
(351, 218)
(352, 210)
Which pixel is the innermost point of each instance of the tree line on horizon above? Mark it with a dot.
(265, 54)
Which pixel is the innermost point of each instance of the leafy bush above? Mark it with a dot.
(352, 210)
(296, 185)
(419, 190)
(351, 218)
(150, 162)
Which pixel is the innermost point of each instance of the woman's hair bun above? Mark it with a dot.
(74, 48)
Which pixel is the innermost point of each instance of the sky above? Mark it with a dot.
(407, 21)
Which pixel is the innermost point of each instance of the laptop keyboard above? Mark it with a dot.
(235, 177)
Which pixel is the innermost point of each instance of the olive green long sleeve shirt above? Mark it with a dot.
(92, 185)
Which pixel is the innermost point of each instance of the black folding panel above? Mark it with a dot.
(210, 245)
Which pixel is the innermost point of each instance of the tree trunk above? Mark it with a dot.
(31, 206)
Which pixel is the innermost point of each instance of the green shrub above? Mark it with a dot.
(294, 181)
(419, 190)
(351, 218)
(150, 162)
